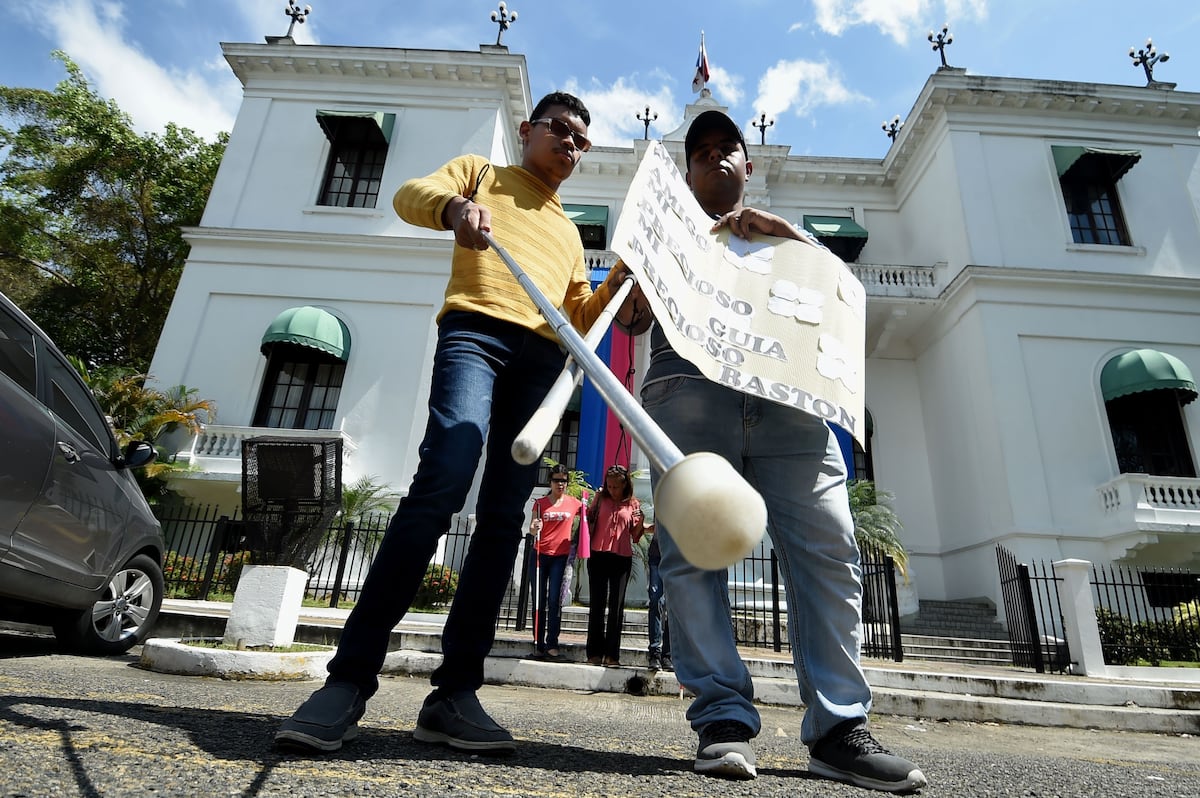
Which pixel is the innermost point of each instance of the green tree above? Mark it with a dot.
(875, 522)
(91, 217)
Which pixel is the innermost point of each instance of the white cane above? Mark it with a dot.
(715, 516)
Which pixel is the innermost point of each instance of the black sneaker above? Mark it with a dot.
(851, 754)
(326, 720)
(725, 750)
(667, 665)
(459, 721)
(655, 661)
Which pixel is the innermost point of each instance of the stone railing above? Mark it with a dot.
(878, 280)
(896, 281)
(218, 448)
(1143, 498)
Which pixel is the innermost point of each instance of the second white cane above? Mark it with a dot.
(713, 515)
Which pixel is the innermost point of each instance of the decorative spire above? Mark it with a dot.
(762, 124)
(297, 14)
(892, 129)
(943, 39)
(646, 120)
(503, 18)
(1146, 58)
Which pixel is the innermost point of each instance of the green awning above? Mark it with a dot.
(1093, 160)
(376, 125)
(839, 226)
(1146, 370)
(312, 327)
(841, 234)
(587, 214)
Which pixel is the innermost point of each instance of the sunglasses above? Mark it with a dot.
(562, 129)
(559, 481)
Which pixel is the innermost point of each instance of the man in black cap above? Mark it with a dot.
(793, 460)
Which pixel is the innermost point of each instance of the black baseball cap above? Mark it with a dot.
(711, 120)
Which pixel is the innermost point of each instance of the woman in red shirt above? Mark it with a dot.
(553, 517)
(615, 519)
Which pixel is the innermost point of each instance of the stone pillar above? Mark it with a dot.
(1079, 616)
(266, 606)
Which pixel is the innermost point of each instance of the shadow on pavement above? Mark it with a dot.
(248, 737)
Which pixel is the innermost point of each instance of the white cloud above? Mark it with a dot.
(895, 18)
(800, 86)
(93, 35)
(615, 108)
(725, 86)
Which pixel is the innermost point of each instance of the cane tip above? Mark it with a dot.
(524, 451)
(714, 516)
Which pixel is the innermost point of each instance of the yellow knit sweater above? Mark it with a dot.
(529, 222)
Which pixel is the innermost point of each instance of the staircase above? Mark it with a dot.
(964, 632)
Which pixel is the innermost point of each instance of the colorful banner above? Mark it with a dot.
(771, 317)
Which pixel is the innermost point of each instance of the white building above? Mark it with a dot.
(1017, 241)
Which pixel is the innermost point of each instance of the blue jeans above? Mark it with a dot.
(793, 460)
(548, 584)
(488, 378)
(659, 629)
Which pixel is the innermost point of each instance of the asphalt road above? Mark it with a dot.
(73, 726)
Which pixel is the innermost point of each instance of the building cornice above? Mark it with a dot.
(444, 69)
(951, 92)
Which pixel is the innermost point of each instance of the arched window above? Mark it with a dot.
(1144, 393)
(306, 350)
(864, 462)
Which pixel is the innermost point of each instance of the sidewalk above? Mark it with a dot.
(928, 690)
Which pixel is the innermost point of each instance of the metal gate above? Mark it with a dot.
(1035, 626)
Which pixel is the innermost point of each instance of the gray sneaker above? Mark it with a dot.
(725, 750)
(458, 721)
(326, 720)
(851, 754)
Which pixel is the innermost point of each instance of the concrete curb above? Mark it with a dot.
(1033, 699)
(164, 655)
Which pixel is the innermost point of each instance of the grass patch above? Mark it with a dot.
(294, 648)
(1166, 663)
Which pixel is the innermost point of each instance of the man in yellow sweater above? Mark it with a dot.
(496, 358)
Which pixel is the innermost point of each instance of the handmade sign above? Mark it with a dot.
(771, 317)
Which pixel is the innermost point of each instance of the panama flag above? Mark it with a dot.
(701, 67)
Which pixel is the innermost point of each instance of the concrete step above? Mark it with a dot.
(994, 694)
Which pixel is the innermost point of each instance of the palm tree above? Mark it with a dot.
(140, 413)
(875, 522)
(367, 495)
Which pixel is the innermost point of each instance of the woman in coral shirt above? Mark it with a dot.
(615, 521)
(553, 517)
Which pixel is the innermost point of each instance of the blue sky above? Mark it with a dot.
(826, 72)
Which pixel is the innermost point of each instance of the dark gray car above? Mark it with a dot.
(79, 548)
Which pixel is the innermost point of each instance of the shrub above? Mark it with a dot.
(437, 588)
(229, 570)
(183, 576)
(1128, 643)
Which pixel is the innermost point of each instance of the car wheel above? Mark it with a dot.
(124, 614)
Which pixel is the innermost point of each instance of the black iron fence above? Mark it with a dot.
(206, 551)
(1147, 616)
(1035, 624)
